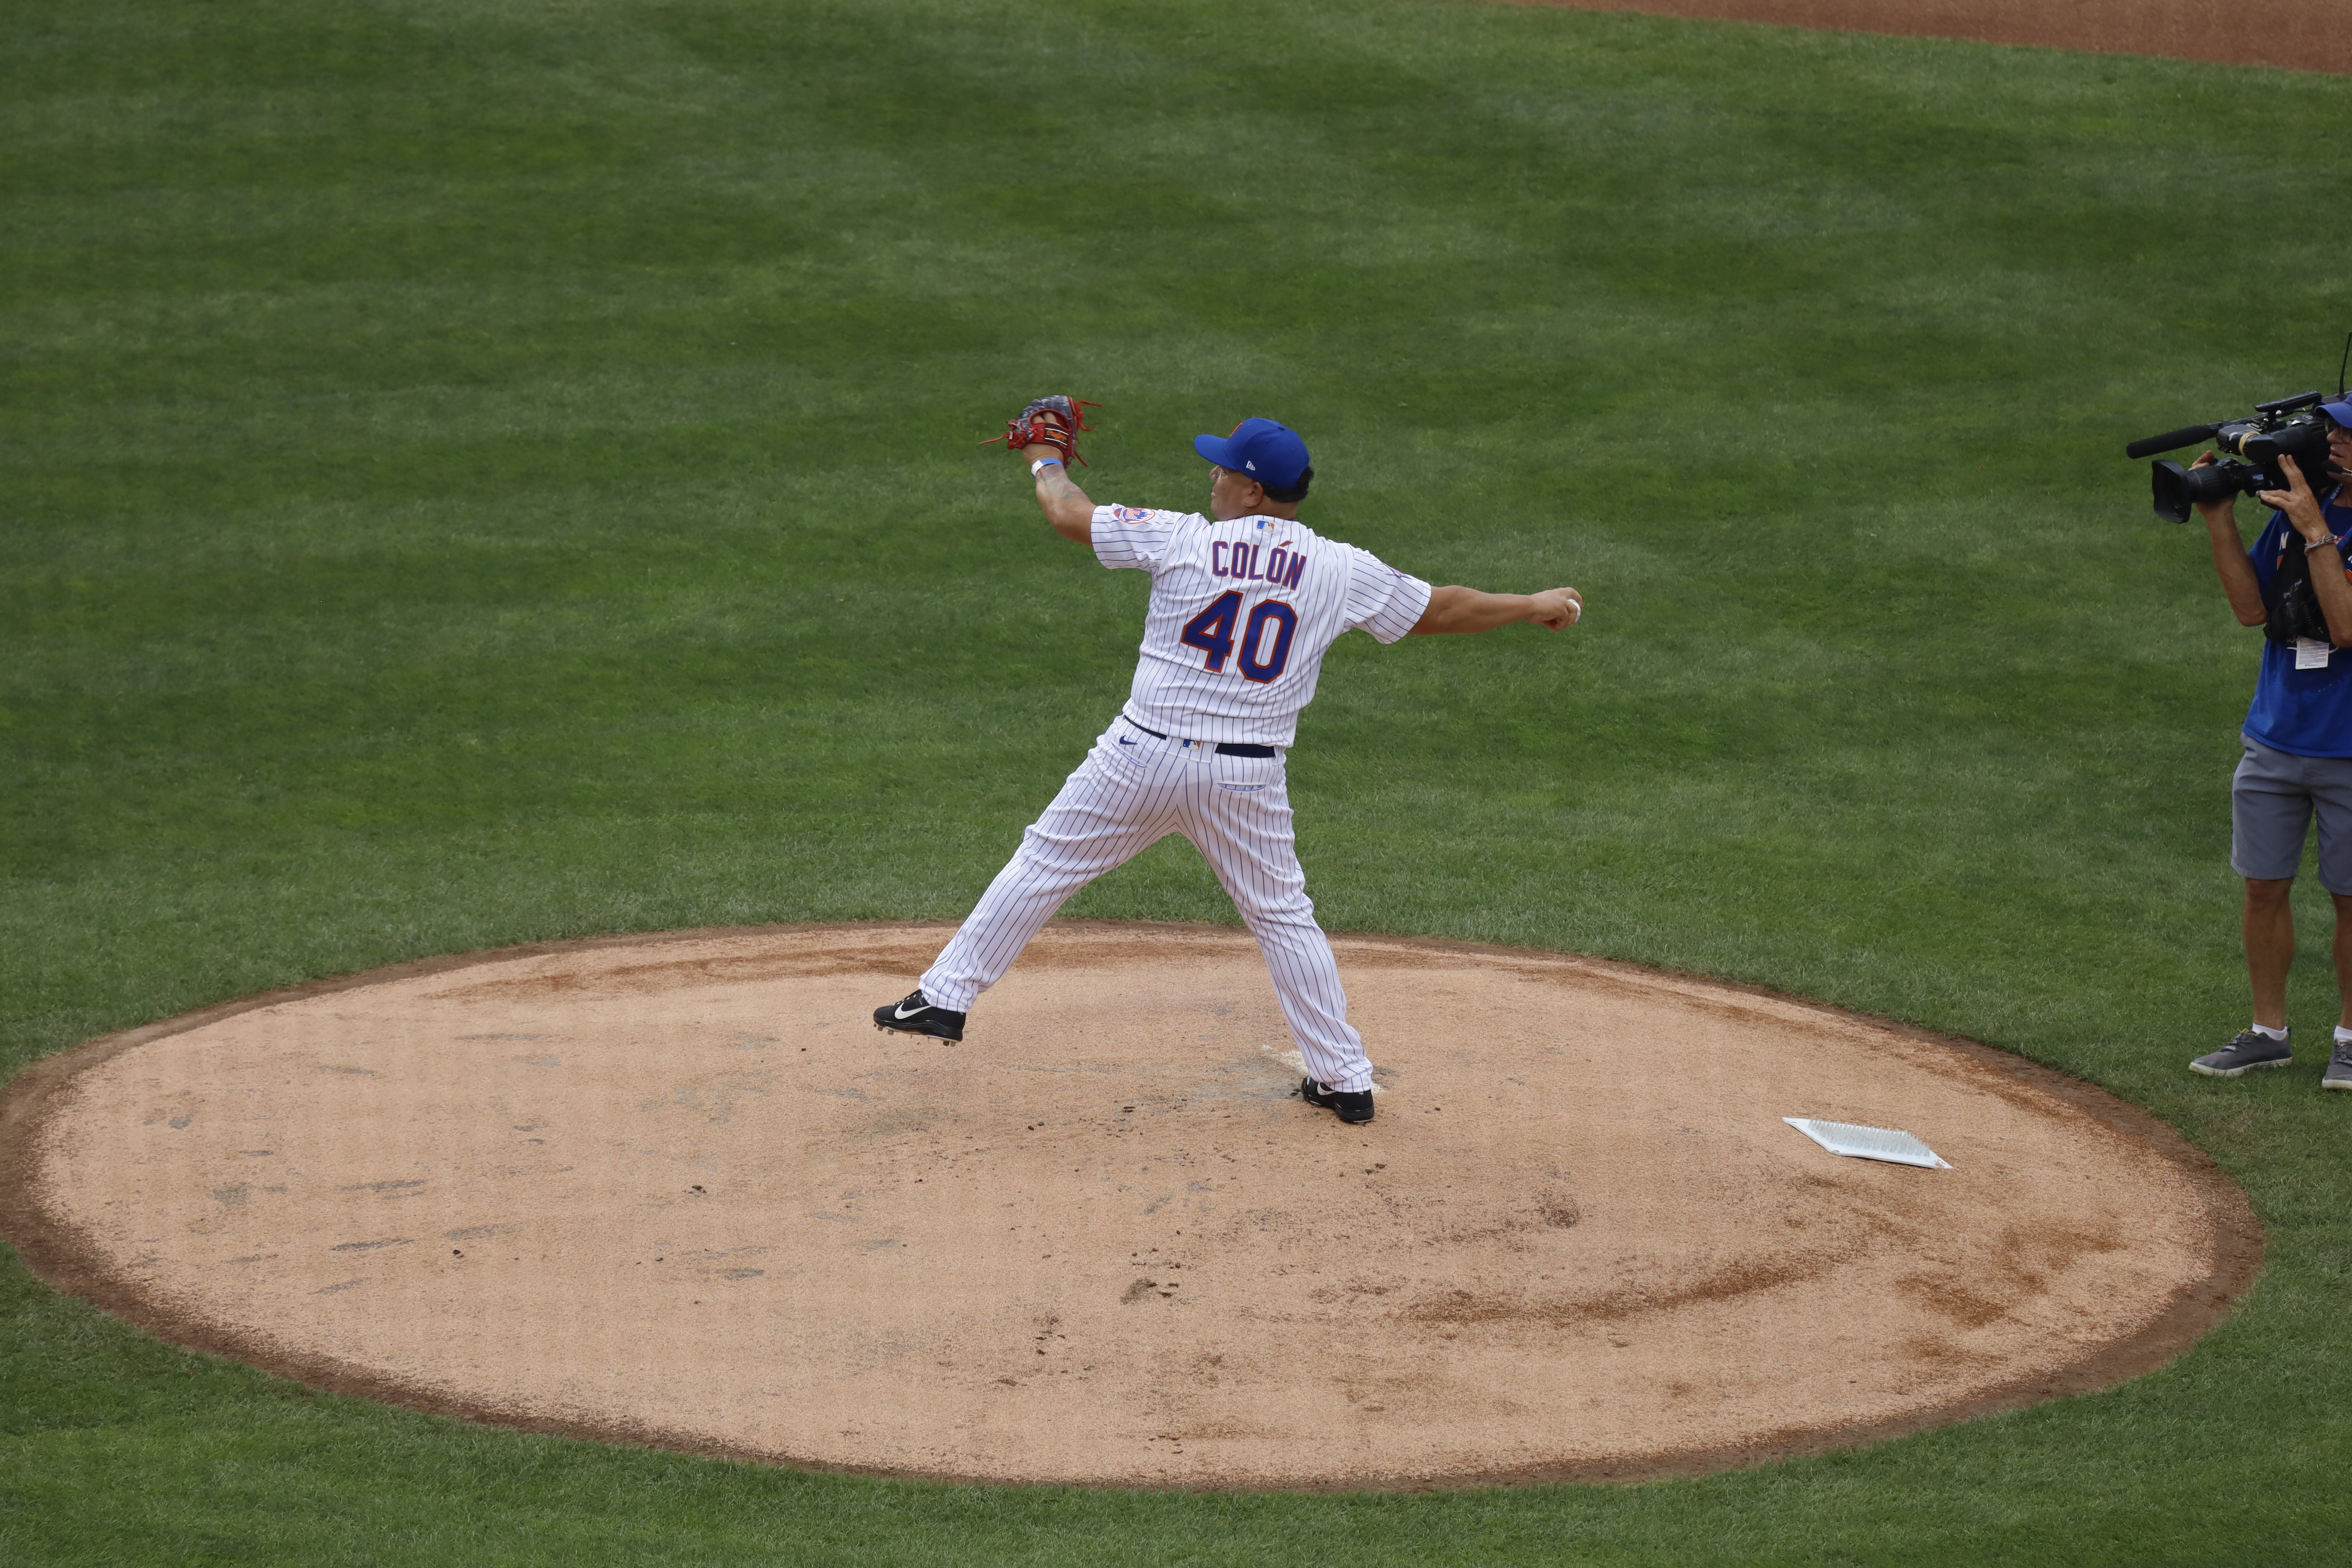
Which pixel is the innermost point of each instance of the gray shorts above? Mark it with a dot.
(2272, 797)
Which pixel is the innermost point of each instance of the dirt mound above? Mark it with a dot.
(678, 1190)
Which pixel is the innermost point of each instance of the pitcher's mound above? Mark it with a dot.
(678, 1190)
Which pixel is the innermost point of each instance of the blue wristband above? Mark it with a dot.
(1042, 462)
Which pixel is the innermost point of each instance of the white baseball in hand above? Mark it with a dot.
(1557, 608)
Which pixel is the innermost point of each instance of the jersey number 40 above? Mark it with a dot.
(1211, 631)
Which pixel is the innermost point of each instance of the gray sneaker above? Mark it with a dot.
(2339, 1068)
(2248, 1051)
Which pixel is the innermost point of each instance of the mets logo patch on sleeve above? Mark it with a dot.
(1130, 513)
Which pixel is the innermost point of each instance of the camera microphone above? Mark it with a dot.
(2148, 447)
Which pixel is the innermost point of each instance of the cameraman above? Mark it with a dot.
(2298, 748)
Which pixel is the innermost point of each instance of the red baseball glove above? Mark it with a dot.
(1052, 422)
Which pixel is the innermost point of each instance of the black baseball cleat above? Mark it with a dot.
(917, 1017)
(1355, 1107)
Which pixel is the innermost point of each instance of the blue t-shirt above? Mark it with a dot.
(2305, 711)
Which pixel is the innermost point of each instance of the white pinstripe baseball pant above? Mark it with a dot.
(1132, 791)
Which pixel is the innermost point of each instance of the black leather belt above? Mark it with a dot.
(1230, 748)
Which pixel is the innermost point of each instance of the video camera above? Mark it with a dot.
(2290, 427)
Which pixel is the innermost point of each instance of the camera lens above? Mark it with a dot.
(2172, 485)
(2177, 489)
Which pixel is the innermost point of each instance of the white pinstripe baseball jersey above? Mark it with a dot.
(1241, 615)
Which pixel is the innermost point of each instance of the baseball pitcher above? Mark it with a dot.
(1243, 602)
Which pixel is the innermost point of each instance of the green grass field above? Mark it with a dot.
(483, 472)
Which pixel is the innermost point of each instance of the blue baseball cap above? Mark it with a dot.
(2340, 411)
(1259, 450)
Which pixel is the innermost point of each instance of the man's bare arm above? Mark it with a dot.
(2229, 562)
(1058, 497)
(1459, 609)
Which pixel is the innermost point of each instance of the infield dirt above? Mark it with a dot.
(679, 1191)
(2295, 34)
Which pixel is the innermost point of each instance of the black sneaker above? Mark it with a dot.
(917, 1017)
(1351, 1107)
(2251, 1048)
(2339, 1068)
